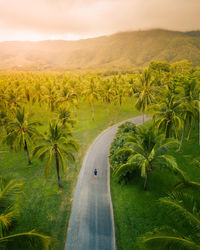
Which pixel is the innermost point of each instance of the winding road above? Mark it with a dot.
(91, 225)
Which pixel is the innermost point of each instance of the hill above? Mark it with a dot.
(123, 50)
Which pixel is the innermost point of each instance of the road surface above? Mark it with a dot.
(91, 225)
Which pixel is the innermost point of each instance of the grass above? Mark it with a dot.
(137, 211)
(43, 206)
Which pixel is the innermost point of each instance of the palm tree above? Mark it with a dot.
(3, 99)
(190, 100)
(91, 93)
(21, 131)
(56, 144)
(64, 115)
(38, 93)
(9, 191)
(120, 88)
(147, 151)
(4, 121)
(189, 113)
(131, 86)
(28, 95)
(167, 115)
(51, 96)
(185, 211)
(68, 97)
(121, 93)
(3, 118)
(107, 91)
(145, 91)
(13, 98)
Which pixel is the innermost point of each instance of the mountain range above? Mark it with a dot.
(124, 50)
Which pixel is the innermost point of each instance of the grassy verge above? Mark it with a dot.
(137, 211)
(42, 205)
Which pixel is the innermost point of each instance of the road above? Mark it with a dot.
(91, 225)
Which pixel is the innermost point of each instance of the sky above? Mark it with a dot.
(78, 19)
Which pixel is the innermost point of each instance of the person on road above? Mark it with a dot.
(95, 173)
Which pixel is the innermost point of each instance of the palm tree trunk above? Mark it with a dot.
(145, 183)
(92, 106)
(75, 114)
(182, 137)
(167, 130)
(27, 152)
(41, 110)
(143, 117)
(30, 106)
(58, 170)
(108, 109)
(191, 125)
(11, 145)
(52, 106)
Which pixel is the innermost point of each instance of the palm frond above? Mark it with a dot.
(124, 151)
(136, 147)
(195, 186)
(71, 144)
(165, 145)
(168, 238)
(171, 163)
(123, 169)
(5, 222)
(8, 192)
(32, 240)
(183, 204)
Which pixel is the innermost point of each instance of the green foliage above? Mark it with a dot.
(144, 150)
(142, 212)
(126, 129)
(184, 210)
(9, 216)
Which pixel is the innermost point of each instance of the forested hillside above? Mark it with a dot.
(124, 50)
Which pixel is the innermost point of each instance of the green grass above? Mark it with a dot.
(43, 206)
(137, 211)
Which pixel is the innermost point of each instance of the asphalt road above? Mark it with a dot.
(91, 225)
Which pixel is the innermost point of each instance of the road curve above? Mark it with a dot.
(91, 225)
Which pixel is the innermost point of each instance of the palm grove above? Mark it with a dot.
(168, 92)
(173, 102)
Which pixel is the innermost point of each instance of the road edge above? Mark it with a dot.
(111, 205)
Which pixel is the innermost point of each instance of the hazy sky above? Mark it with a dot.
(75, 19)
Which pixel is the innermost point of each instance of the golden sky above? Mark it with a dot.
(76, 19)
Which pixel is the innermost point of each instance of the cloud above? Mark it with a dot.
(51, 18)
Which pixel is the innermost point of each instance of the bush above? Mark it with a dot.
(126, 129)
